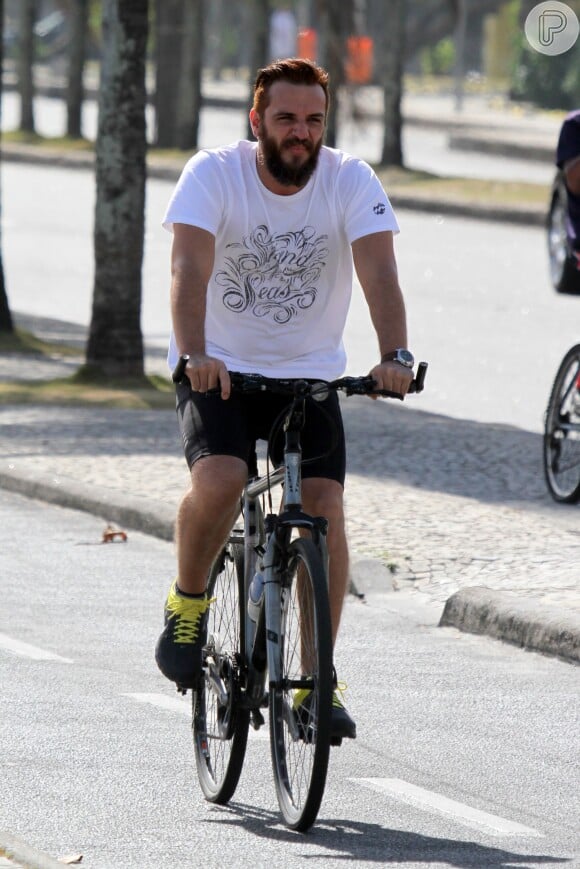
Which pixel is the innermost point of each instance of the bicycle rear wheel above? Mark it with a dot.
(300, 738)
(220, 726)
(562, 431)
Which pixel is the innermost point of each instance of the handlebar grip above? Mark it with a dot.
(419, 381)
(179, 370)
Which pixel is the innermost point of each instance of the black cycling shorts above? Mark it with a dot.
(210, 426)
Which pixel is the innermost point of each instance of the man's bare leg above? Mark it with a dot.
(322, 497)
(203, 523)
(205, 516)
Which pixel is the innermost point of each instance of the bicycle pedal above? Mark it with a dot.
(257, 719)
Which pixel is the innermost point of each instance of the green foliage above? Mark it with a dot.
(550, 82)
(438, 59)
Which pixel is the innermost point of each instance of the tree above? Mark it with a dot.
(334, 24)
(77, 46)
(189, 94)
(180, 43)
(392, 52)
(259, 22)
(6, 324)
(27, 18)
(168, 43)
(115, 345)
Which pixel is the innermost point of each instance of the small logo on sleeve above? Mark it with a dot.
(380, 208)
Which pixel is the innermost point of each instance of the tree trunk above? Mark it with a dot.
(79, 20)
(6, 324)
(334, 23)
(115, 345)
(27, 18)
(260, 19)
(392, 52)
(169, 42)
(189, 105)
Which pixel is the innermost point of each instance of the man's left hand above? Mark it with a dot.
(393, 377)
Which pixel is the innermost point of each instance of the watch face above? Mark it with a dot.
(405, 357)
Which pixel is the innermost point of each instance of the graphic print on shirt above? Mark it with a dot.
(273, 276)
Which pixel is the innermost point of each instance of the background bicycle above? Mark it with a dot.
(561, 453)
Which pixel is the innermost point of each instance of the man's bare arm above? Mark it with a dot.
(192, 261)
(376, 268)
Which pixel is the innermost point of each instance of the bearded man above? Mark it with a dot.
(265, 237)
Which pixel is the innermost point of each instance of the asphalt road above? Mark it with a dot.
(466, 756)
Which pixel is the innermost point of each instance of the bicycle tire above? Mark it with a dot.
(220, 728)
(561, 453)
(300, 748)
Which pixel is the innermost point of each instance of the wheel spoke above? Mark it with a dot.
(562, 431)
(220, 727)
(300, 734)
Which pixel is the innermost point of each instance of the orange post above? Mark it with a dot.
(359, 63)
(307, 43)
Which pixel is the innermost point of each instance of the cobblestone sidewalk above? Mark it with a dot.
(444, 504)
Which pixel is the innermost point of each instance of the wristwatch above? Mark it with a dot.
(402, 356)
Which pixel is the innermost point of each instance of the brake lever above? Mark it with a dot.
(416, 385)
(178, 373)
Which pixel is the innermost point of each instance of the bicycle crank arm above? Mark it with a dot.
(216, 682)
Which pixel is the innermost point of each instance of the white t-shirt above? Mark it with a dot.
(279, 294)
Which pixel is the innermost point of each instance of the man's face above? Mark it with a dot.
(291, 131)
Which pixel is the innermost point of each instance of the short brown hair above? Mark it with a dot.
(295, 70)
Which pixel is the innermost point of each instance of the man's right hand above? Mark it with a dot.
(205, 372)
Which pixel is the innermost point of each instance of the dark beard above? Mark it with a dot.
(289, 176)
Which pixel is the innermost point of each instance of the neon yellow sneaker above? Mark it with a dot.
(342, 724)
(178, 649)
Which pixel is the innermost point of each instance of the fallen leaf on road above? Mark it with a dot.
(111, 534)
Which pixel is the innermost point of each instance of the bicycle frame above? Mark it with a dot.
(283, 659)
(265, 539)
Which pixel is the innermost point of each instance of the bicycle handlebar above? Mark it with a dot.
(249, 383)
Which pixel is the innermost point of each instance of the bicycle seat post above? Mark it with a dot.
(293, 457)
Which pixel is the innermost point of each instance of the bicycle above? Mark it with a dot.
(262, 649)
(561, 453)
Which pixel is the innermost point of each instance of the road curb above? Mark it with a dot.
(507, 617)
(24, 855)
(476, 610)
(158, 169)
(127, 511)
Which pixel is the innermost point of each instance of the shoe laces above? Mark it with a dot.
(302, 694)
(337, 695)
(188, 613)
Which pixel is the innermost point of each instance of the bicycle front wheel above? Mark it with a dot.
(220, 726)
(562, 431)
(300, 705)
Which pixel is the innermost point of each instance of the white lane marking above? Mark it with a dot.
(433, 802)
(183, 706)
(25, 650)
(171, 704)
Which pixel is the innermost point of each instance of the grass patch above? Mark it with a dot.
(470, 190)
(63, 143)
(21, 341)
(147, 393)
(396, 181)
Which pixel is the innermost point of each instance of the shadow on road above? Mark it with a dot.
(492, 463)
(376, 844)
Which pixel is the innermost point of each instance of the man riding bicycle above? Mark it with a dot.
(265, 235)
